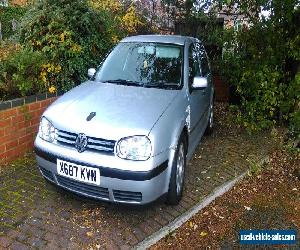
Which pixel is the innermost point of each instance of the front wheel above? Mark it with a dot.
(177, 174)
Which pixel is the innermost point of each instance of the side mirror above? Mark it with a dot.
(91, 72)
(199, 82)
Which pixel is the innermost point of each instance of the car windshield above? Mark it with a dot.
(143, 64)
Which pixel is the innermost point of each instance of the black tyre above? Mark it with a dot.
(177, 174)
(210, 125)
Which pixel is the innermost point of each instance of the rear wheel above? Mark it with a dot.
(177, 174)
(210, 125)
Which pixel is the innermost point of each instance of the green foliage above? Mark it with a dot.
(125, 18)
(20, 73)
(7, 15)
(72, 36)
(261, 61)
(7, 48)
(295, 124)
(294, 114)
(255, 167)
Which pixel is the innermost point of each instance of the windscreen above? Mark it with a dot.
(145, 64)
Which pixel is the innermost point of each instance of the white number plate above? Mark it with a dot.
(78, 172)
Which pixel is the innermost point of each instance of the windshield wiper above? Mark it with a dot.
(161, 85)
(124, 82)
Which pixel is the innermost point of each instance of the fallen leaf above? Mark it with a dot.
(89, 234)
(203, 233)
(248, 208)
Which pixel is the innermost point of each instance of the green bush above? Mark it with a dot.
(20, 74)
(7, 15)
(261, 62)
(294, 115)
(72, 36)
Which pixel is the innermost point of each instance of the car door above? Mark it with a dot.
(197, 97)
(205, 72)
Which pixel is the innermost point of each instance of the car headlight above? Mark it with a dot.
(136, 148)
(46, 130)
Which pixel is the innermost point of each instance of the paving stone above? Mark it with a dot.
(52, 245)
(36, 222)
(73, 245)
(65, 215)
(32, 230)
(153, 224)
(118, 238)
(12, 234)
(159, 219)
(63, 243)
(111, 245)
(5, 241)
(22, 237)
(125, 247)
(49, 236)
(131, 239)
(139, 234)
(36, 242)
(186, 203)
(167, 216)
(172, 211)
(146, 228)
(179, 208)
(18, 246)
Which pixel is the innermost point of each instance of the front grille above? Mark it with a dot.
(127, 196)
(47, 174)
(94, 144)
(98, 192)
(64, 137)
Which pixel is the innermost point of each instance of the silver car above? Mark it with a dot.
(126, 134)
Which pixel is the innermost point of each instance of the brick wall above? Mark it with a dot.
(19, 121)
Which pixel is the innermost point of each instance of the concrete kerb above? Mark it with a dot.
(219, 191)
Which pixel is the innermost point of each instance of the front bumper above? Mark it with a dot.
(116, 185)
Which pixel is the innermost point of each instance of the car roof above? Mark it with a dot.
(173, 39)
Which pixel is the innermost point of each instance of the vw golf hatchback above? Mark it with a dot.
(126, 134)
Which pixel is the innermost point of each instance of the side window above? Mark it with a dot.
(194, 66)
(204, 62)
